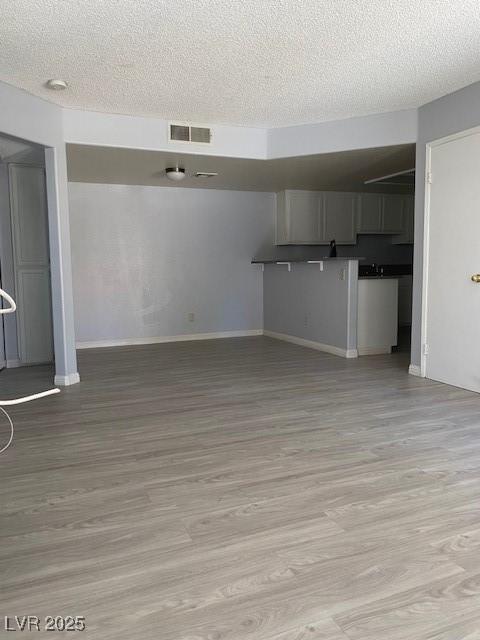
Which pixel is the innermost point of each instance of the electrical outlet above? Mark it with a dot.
(191, 317)
(343, 274)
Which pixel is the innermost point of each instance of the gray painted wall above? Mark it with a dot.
(455, 112)
(312, 304)
(145, 257)
(136, 132)
(378, 130)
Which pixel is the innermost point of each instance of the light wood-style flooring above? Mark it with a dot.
(243, 489)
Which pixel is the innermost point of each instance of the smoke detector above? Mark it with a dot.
(56, 84)
(175, 173)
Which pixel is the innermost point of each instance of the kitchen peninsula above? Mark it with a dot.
(321, 304)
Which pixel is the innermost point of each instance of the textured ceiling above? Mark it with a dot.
(246, 62)
(344, 171)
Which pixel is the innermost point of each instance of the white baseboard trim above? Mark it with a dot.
(66, 381)
(374, 351)
(311, 344)
(13, 364)
(185, 337)
(414, 370)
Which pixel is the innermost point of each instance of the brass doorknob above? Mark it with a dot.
(475, 277)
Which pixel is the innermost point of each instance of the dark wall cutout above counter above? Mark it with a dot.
(376, 249)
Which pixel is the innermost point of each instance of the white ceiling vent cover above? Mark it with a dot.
(189, 133)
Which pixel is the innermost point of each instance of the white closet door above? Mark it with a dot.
(31, 263)
(452, 304)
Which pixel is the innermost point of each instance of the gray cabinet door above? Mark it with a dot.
(408, 231)
(393, 213)
(370, 213)
(303, 217)
(340, 217)
(31, 263)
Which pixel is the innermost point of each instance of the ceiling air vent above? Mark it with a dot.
(187, 133)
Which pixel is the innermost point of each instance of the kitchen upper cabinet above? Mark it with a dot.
(379, 213)
(316, 217)
(339, 217)
(393, 213)
(370, 213)
(299, 217)
(304, 218)
(407, 235)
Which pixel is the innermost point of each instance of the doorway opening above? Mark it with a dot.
(398, 254)
(26, 337)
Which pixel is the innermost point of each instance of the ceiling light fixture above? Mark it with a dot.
(205, 174)
(56, 85)
(175, 173)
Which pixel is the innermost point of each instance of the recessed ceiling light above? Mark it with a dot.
(56, 85)
(175, 173)
(205, 174)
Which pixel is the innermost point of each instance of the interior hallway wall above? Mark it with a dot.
(144, 258)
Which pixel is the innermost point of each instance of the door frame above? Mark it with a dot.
(426, 235)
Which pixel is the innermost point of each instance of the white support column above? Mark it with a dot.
(66, 372)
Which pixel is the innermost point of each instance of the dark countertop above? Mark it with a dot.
(276, 260)
(379, 277)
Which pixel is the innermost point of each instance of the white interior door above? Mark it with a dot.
(452, 299)
(31, 259)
